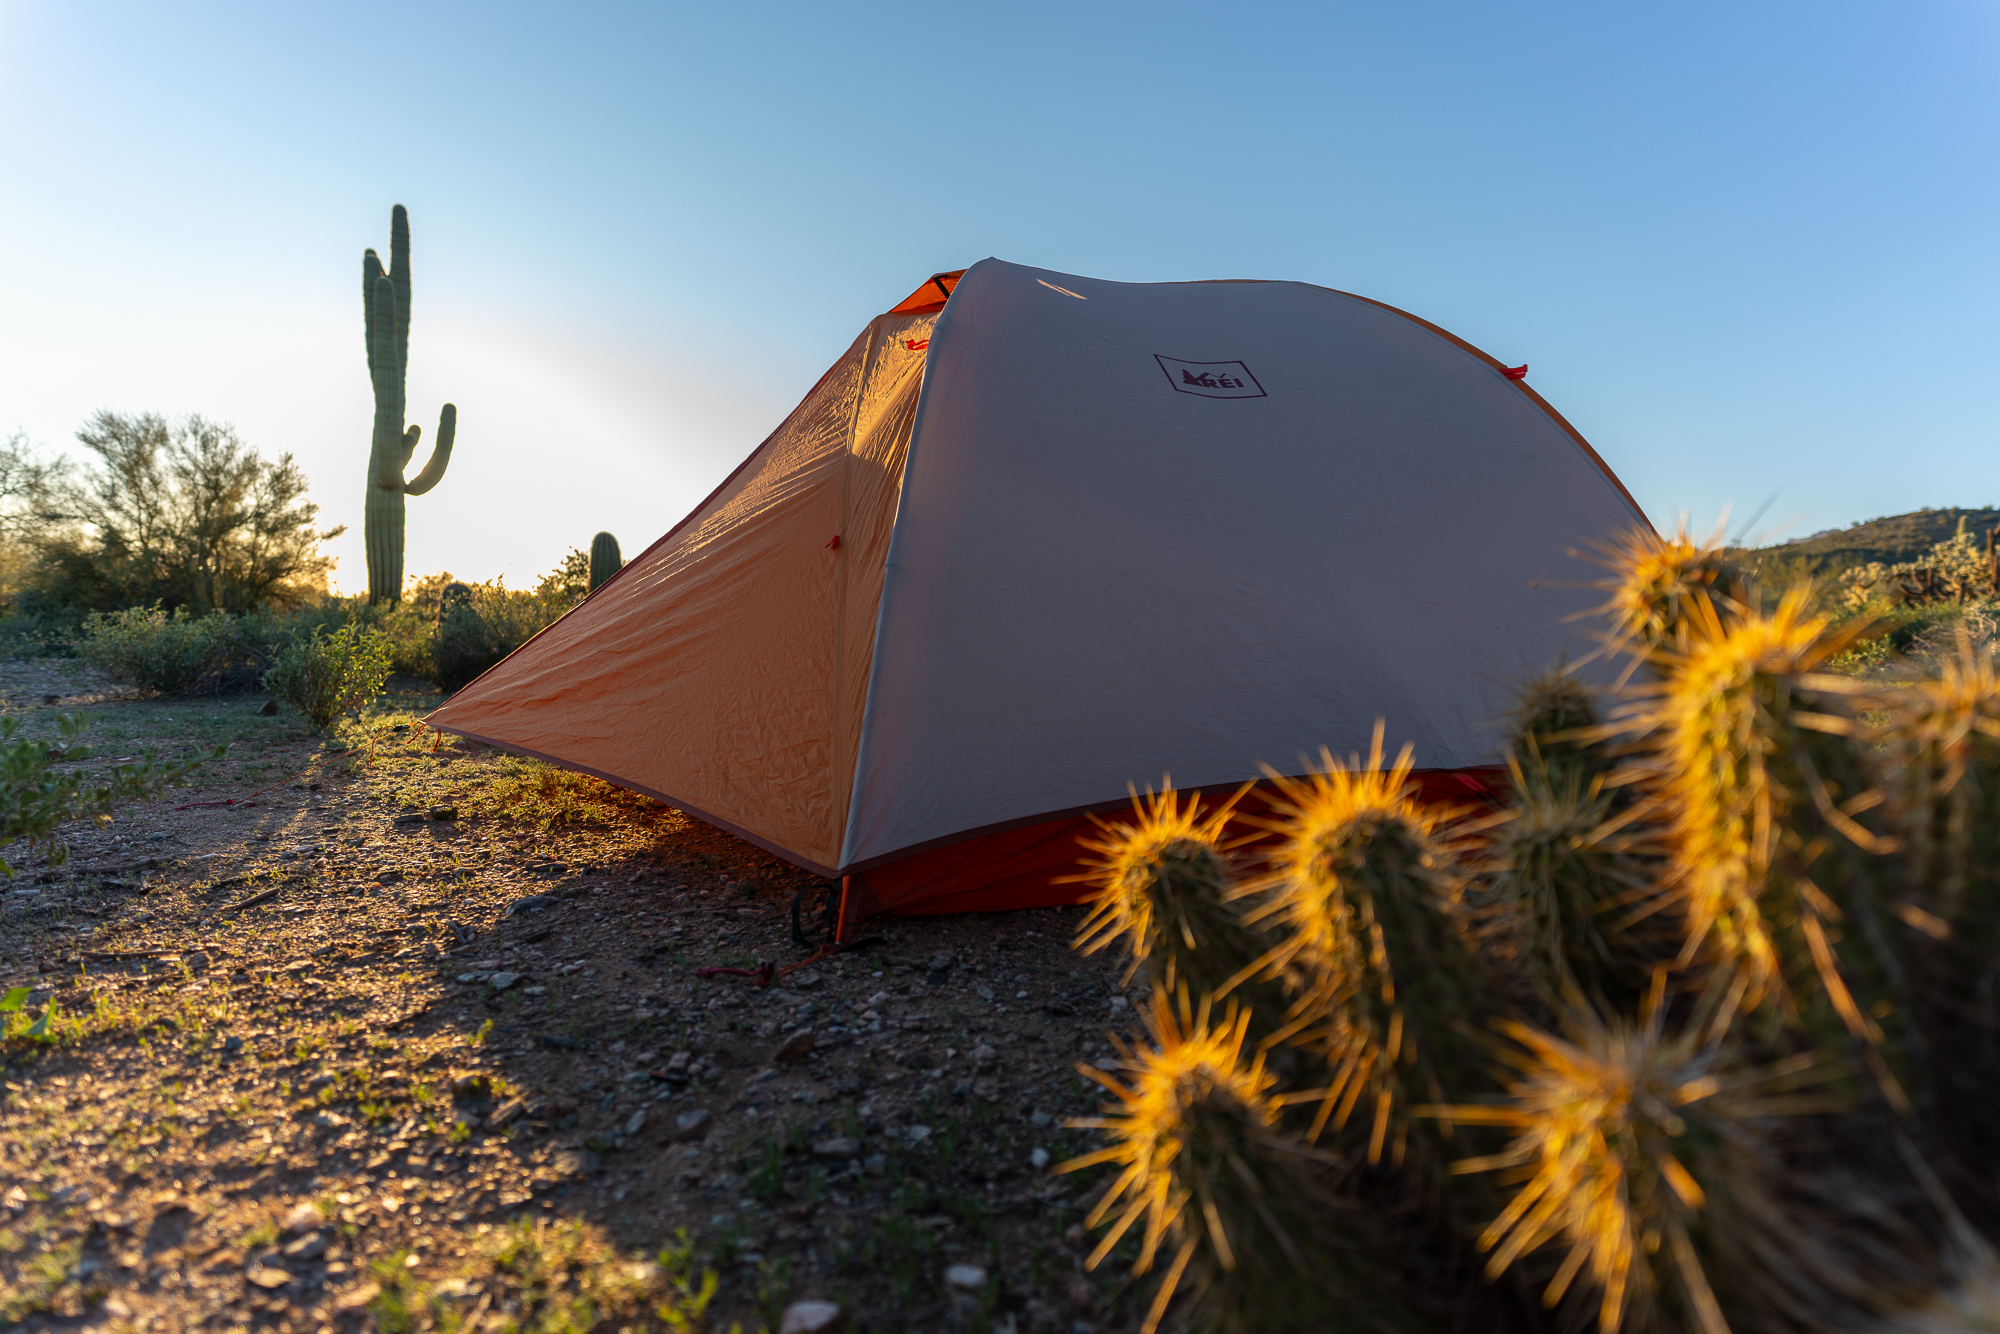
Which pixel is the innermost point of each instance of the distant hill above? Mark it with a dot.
(1899, 537)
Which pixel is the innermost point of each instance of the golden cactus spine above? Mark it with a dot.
(1367, 911)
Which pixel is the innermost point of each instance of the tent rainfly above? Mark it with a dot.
(1036, 538)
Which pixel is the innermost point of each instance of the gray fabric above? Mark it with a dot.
(1105, 570)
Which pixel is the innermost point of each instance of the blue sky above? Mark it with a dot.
(1748, 249)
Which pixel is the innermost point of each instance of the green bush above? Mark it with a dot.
(479, 631)
(172, 653)
(324, 675)
(35, 798)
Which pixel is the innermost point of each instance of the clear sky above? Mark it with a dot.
(1749, 249)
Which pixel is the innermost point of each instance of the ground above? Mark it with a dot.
(386, 1031)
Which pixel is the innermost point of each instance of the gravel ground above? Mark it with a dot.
(411, 1036)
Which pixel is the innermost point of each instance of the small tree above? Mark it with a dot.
(181, 514)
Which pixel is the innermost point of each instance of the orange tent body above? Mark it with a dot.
(1037, 538)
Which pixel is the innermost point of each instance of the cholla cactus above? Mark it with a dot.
(1555, 723)
(1617, 1127)
(1238, 1204)
(1163, 887)
(1755, 765)
(1367, 910)
(1568, 872)
(1655, 582)
(1944, 771)
(1957, 569)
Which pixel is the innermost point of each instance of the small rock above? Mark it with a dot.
(501, 981)
(270, 709)
(532, 903)
(1039, 1158)
(302, 1218)
(637, 1122)
(414, 817)
(677, 1064)
(985, 992)
(810, 1318)
(796, 1048)
(266, 1277)
(691, 1125)
(330, 1120)
(444, 812)
(197, 960)
(917, 1134)
(807, 980)
(506, 1112)
(984, 1057)
(875, 1165)
(356, 1297)
(970, 1278)
(840, 1146)
(878, 999)
(307, 1248)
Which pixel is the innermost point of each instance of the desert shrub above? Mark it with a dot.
(37, 796)
(168, 652)
(324, 675)
(479, 629)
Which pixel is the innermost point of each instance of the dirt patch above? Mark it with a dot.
(341, 1040)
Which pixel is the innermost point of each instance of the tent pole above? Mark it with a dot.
(842, 924)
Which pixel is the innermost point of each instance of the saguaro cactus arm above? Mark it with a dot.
(440, 453)
(399, 277)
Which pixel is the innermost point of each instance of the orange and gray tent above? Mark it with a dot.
(1037, 538)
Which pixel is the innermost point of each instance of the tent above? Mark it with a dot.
(1036, 538)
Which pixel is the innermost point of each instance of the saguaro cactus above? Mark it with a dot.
(604, 559)
(385, 302)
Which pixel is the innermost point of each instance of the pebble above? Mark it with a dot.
(532, 903)
(691, 1125)
(840, 1146)
(307, 1247)
(969, 1277)
(985, 992)
(637, 1122)
(984, 1057)
(917, 1134)
(1039, 1158)
(809, 1318)
(796, 1048)
(501, 981)
(266, 1277)
(302, 1218)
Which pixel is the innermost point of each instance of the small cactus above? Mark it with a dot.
(1247, 1210)
(1367, 908)
(604, 559)
(1567, 874)
(1655, 583)
(385, 302)
(1164, 889)
(1622, 1134)
(1756, 765)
